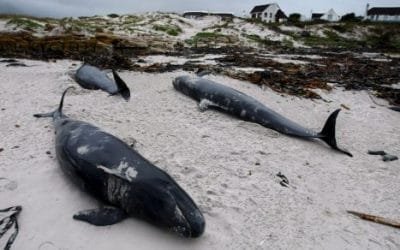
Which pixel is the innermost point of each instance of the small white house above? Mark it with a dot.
(383, 14)
(330, 16)
(270, 13)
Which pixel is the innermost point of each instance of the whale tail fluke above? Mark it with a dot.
(328, 133)
(58, 112)
(123, 89)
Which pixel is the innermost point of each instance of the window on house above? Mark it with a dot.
(266, 14)
(270, 15)
(330, 17)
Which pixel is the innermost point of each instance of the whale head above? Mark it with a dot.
(162, 202)
(186, 85)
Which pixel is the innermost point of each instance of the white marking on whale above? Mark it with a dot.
(123, 170)
(82, 150)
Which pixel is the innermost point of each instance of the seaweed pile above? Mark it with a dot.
(103, 50)
(347, 70)
(316, 71)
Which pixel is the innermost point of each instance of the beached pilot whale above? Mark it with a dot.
(113, 172)
(214, 95)
(90, 77)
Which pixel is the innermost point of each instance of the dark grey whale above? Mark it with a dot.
(113, 172)
(214, 95)
(90, 77)
(395, 108)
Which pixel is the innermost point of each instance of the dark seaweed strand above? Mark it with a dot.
(14, 235)
(16, 208)
(8, 222)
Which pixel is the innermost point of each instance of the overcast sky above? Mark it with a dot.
(62, 8)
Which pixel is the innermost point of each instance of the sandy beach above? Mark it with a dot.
(228, 166)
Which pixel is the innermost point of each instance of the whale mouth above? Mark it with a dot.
(192, 225)
(164, 203)
(176, 83)
(191, 221)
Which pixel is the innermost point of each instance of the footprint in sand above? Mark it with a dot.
(47, 246)
(7, 185)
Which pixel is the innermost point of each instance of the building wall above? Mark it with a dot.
(331, 16)
(384, 18)
(269, 13)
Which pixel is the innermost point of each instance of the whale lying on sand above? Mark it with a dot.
(90, 77)
(116, 174)
(214, 95)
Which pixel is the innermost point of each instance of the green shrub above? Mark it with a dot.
(253, 37)
(261, 41)
(339, 28)
(207, 35)
(294, 18)
(24, 23)
(287, 43)
(351, 17)
(171, 30)
(387, 40)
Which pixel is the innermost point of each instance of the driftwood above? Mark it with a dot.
(376, 219)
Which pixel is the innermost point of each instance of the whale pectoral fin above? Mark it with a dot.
(101, 216)
(206, 104)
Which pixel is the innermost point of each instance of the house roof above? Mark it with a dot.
(204, 13)
(394, 11)
(316, 15)
(227, 14)
(260, 8)
(195, 13)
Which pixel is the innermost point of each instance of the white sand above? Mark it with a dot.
(3, 25)
(247, 69)
(228, 166)
(208, 59)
